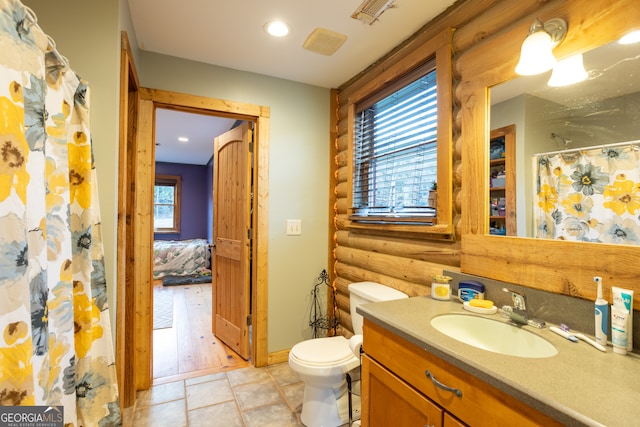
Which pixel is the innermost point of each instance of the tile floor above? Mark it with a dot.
(247, 397)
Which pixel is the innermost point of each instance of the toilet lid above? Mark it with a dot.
(323, 351)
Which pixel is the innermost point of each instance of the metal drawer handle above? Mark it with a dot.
(438, 384)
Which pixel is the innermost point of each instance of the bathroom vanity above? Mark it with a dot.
(470, 386)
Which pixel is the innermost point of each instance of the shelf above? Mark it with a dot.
(502, 143)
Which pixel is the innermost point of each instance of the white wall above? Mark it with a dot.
(298, 175)
(126, 25)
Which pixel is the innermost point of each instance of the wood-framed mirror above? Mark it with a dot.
(553, 265)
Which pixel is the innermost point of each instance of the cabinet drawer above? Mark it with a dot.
(479, 404)
(389, 401)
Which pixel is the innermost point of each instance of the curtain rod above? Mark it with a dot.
(595, 147)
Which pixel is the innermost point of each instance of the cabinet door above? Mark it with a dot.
(451, 421)
(388, 401)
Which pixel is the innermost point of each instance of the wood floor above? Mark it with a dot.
(189, 348)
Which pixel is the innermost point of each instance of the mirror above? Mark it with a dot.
(559, 266)
(601, 111)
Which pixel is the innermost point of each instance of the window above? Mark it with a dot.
(395, 155)
(166, 204)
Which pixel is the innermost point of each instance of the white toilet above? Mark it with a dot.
(322, 363)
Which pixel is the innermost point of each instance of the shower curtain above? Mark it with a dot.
(589, 195)
(56, 346)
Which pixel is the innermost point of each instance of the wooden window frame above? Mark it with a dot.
(176, 182)
(442, 225)
(371, 152)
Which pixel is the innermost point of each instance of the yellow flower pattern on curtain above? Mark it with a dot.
(590, 195)
(56, 347)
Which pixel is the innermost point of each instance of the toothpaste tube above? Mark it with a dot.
(623, 302)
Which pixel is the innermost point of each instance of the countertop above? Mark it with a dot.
(578, 386)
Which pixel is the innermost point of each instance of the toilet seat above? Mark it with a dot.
(328, 351)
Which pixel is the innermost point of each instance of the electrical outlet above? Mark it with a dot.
(294, 227)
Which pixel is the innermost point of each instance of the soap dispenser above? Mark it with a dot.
(602, 314)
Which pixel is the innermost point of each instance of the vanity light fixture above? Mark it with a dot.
(630, 38)
(568, 71)
(183, 139)
(536, 55)
(276, 28)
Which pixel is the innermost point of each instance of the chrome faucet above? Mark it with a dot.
(519, 313)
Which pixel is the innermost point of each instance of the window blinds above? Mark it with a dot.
(395, 150)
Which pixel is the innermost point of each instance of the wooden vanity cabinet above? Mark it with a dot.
(396, 391)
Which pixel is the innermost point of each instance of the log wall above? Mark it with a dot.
(407, 263)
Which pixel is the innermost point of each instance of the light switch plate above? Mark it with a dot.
(294, 227)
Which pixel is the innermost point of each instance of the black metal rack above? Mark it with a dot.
(318, 321)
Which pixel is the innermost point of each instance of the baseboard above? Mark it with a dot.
(278, 357)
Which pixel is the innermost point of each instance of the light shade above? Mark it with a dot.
(568, 71)
(536, 55)
(630, 38)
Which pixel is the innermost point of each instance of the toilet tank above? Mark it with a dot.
(366, 292)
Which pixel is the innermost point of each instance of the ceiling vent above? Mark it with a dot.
(369, 11)
(324, 42)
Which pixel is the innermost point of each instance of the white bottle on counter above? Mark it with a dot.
(601, 314)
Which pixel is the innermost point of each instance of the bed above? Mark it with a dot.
(181, 258)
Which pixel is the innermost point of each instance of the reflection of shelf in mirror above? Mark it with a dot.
(502, 183)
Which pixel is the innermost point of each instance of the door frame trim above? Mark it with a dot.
(129, 86)
(150, 99)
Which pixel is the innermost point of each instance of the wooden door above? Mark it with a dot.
(231, 234)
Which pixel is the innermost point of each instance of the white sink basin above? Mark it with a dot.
(493, 335)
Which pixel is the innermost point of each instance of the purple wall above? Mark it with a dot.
(196, 199)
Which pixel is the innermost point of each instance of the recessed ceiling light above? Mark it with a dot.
(276, 28)
(629, 38)
(183, 139)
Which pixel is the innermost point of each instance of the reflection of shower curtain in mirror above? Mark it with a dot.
(589, 195)
(56, 344)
